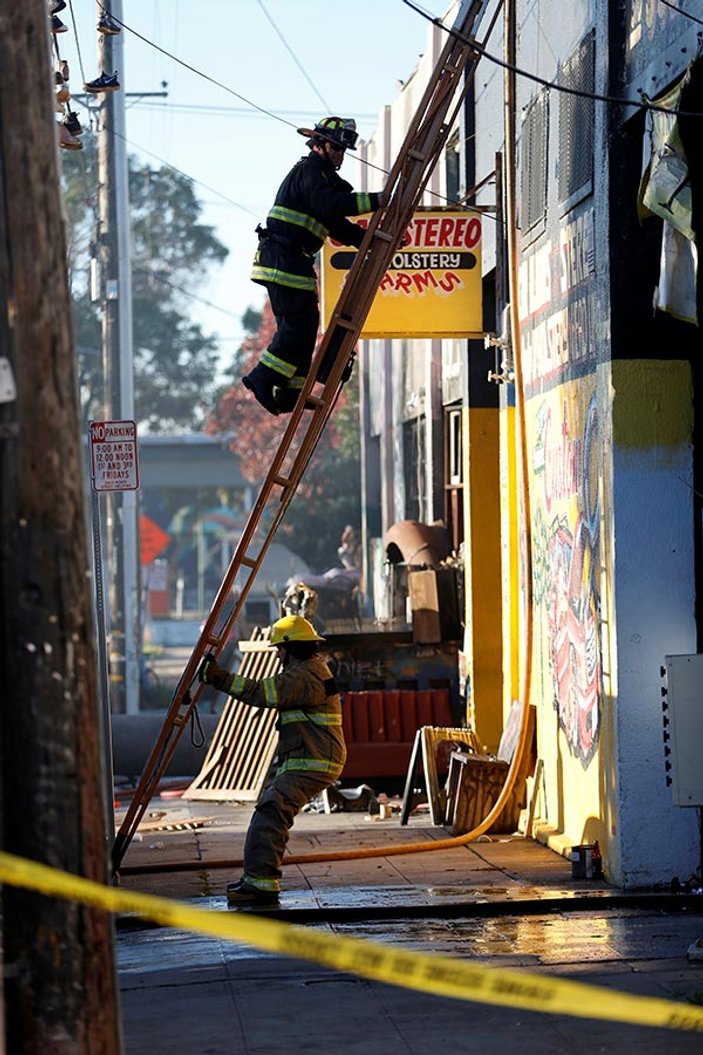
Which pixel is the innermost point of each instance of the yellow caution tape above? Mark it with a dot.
(426, 972)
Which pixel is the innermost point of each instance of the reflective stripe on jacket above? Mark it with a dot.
(312, 202)
(310, 715)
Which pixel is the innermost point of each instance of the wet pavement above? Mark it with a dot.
(503, 902)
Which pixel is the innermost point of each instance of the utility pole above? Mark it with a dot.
(59, 973)
(116, 299)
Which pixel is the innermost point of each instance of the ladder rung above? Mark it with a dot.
(315, 401)
(248, 562)
(282, 481)
(345, 324)
(417, 154)
(383, 236)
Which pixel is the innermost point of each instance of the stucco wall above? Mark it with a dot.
(609, 455)
(588, 501)
(653, 587)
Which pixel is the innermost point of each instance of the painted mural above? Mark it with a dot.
(566, 548)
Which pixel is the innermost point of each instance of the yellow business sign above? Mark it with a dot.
(433, 285)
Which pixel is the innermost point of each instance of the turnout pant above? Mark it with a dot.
(297, 319)
(273, 818)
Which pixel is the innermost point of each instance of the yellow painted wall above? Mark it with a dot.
(481, 431)
(653, 407)
(509, 534)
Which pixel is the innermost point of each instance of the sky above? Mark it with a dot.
(298, 59)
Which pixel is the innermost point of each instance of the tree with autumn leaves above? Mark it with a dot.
(328, 497)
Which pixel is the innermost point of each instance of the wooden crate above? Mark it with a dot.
(473, 787)
(475, 781)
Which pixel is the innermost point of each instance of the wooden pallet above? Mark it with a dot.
(427, 740)
(245, 738)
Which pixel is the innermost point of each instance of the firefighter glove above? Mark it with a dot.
(212, 674)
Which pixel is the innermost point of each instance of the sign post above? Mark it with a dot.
(114, 466)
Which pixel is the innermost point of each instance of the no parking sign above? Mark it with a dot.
(114, 464)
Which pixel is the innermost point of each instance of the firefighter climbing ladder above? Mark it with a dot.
(423, 144)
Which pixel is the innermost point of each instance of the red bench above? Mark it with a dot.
(380, 726)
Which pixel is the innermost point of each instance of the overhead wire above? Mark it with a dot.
(643, 103)
(248, 102)
(680, 11)
(219, 84)
(199, 183)
(91, 199)
(186, 292)
(77, 41)
(196, 71)
(91, 196)
(294, 57)
(244, 99)
(215, 111)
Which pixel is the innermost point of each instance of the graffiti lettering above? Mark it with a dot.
(561, 462)
(565, 338)
(535, 285)
(577, 251)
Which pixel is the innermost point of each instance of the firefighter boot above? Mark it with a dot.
(243, 893)
(260, 383)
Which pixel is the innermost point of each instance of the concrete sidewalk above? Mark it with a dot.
(504, 901)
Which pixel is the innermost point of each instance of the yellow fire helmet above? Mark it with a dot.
(293, 628)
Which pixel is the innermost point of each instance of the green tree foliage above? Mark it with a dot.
(175, 361)
(328, 497)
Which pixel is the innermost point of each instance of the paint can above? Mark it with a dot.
(586, 861)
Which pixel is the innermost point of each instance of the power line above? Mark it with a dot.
(90, 195)
(198, 72)
(262, 110)
(77, 41)
(205, 76)
(686, 14)
(293, 56)
(199, 183)
(639, 104)
(215, 111)
(186, 292)
(174, 168)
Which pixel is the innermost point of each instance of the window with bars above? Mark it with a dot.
(533, 168)
(576, 124)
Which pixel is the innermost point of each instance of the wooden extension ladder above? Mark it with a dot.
(423, 144)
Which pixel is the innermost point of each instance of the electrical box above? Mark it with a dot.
(682, 717)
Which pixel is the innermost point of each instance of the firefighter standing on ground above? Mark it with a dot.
(311, 750)
(312, 202)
